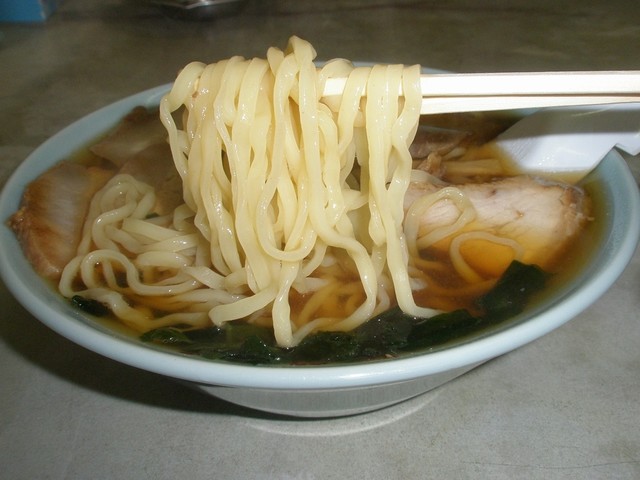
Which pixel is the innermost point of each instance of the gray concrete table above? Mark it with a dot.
(566, 406)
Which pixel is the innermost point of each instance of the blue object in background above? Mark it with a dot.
(26, 10)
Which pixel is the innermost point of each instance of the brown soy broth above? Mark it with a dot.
(569, 268)
(585, 246)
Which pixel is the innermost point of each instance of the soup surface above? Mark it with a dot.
(447, 149)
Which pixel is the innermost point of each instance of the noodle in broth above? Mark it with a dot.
(290, 200)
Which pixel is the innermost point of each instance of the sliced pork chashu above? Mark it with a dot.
(53, 208)
(140, 130)
(544, 217)
(49, 221)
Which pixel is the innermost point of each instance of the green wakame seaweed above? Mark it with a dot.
(390, 334)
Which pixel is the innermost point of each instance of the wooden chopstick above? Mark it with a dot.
(435, 105)
(444, 93)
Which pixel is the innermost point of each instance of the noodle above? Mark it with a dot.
(285, 193)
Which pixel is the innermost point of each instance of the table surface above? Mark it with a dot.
(566, 406)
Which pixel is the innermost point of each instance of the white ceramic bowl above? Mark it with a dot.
(320, 391)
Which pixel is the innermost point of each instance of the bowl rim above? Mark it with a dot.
(31, 291)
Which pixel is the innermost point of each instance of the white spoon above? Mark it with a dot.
(569, 142)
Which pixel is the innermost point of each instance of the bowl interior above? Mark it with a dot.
(617, 195)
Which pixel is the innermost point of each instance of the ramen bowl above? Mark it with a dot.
(323, 390)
